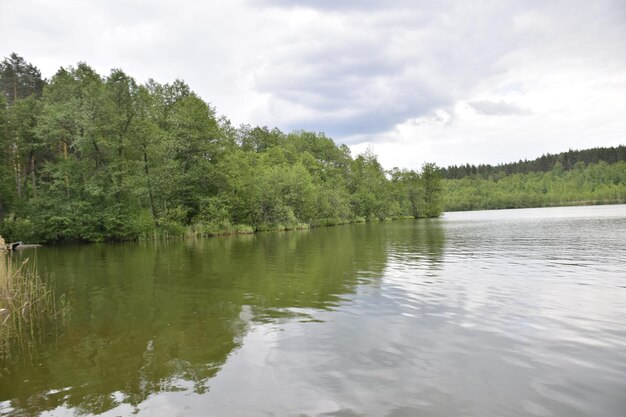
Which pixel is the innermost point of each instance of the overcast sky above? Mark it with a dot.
(441, 81)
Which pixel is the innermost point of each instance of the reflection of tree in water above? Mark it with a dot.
(160, 317)
(421, 242)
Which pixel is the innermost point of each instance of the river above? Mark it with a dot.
(489, 313)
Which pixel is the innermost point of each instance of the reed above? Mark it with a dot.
(28, 306)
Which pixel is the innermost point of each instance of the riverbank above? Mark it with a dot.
(577, 203)
(200, 230)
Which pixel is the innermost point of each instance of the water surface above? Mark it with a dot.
(498, 313)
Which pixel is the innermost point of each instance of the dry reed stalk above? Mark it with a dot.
(27, 304)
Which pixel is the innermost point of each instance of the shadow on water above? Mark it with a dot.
(165, 316)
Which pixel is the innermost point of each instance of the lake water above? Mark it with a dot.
(492, 313)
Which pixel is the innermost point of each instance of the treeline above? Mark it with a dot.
(567, 160)
(594, 183)
(86, 157)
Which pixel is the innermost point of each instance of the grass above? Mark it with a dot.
(28, 306)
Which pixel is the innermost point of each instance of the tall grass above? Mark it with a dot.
(28, 306)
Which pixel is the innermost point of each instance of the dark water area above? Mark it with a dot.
(493, 313)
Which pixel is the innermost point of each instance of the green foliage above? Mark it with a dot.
(19, 79)
(566, 160)
(90, 158)
(93, 158)
(371, 197)
(430, 204)
(592, 184)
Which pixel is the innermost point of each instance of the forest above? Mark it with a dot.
(86, 157)
(596, 182)
(567, 161)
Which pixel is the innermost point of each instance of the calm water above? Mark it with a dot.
(501, 313)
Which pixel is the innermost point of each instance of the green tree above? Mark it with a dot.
(407, 191)
(431, 187)
(19, 79)
(103, 158)
(369, 188)
(7, 194)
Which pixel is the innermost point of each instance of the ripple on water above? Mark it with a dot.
(504, 314)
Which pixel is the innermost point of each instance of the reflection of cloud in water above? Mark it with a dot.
(489, 336)
(151, 320)
(452, 317)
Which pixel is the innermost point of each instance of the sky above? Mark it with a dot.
(415, 81)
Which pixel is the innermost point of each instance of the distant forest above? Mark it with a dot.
(86, 157)
(592, 176)
(567, 160)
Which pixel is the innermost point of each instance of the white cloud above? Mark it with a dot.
(419, 80)
(497, 108)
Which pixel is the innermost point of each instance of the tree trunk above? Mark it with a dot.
(98, 154)
(18, 178)
(145, 167)
(32, 172)
(67, 180)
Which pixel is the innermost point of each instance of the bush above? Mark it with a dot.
(19, 229)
